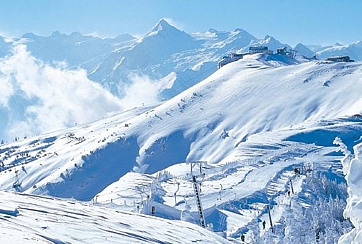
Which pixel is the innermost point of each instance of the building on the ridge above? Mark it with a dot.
(284, 51)
(260, 49)
(340, 59)
(230, 58)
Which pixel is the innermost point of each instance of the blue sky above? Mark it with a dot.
(290, 21)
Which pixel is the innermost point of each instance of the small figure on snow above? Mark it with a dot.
(153, 210)
(242, 237)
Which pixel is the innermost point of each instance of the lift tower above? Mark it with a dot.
(195, 183)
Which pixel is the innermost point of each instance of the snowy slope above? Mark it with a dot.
(165, 60)
(33, 219)
(260, 174)
(172, 61)
(258, 94)
(253, 122)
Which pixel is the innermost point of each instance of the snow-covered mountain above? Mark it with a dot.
(257, 134)
(166, 60)
(160, 52)
(353, 50)
(163, 51)
(304, 50)
(75, 49)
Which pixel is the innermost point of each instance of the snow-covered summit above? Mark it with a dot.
(157, 45)
(162, 26)
(353, 50)
(303, 50)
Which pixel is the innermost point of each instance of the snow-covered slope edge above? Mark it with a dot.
(352, 167)
(33, 219)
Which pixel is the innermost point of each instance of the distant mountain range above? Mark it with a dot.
(164, 50)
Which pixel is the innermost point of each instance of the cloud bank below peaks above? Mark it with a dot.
(36, 97)
(143, 90)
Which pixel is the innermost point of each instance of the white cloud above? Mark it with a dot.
(6, 90)
(142, 91)
(55, 97)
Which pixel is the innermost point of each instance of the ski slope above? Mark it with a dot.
(35, 219)
(261, 126)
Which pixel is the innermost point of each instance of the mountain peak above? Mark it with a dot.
(76, 34)
(29, 35)
(56, 34)
(269, 40)
(164, 29)
(241, 30)
(212, 30)
(163, 22)
(243, 33)
(162, 25)
(267, 37)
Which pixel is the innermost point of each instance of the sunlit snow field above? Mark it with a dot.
(258, 135)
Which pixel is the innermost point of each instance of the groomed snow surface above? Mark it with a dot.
(258, 135)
